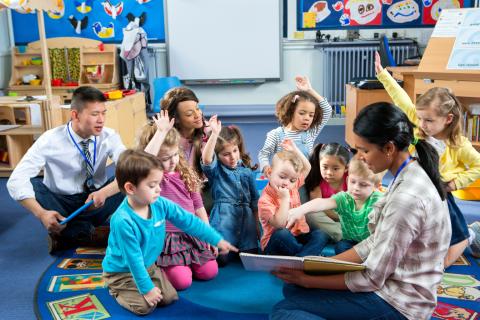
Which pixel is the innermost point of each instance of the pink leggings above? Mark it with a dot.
(181, 276)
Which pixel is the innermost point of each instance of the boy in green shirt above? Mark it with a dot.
(352, 207)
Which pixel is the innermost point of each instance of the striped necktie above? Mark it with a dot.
(89, 181)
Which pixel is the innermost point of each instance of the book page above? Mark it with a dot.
(330, 260)
(256, 262)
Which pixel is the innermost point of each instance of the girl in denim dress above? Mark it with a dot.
(230, 173)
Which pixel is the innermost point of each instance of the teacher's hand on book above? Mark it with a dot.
(292, 276)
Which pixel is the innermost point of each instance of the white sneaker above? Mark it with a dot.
(475, 246)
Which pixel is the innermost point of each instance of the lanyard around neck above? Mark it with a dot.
(81, 151)
(402, 166)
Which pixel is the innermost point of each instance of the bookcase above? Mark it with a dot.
(471, 123)
(92, 54)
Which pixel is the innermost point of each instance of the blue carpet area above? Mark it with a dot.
(23, 257)
(233, 294)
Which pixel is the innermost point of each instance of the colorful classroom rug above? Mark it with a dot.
(72, 288)
(459, 292)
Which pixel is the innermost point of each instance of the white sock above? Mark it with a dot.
(471, 237)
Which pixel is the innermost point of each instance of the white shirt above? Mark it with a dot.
(62, 163)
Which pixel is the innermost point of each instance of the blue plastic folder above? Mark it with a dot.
(77, 212)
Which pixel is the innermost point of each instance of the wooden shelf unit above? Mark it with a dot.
(356, 100)
(90, 54)
(17, 141)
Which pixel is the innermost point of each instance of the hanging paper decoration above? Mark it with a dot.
(84, 6)
(78, 25)
(403, 11)
(13, 4)
(59, 12)
(363, 12)
(104, 32)
(21, 6)
(320, 8)
(29, 6)
(113, 10)
(143, 1)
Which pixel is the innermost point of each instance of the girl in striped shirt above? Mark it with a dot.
(302, 114)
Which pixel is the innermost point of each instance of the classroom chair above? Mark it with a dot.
(385, 54)
(160, 86)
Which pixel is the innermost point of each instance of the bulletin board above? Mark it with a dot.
(375, 14)
(95, 19)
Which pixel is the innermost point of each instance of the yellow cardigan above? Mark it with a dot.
(462, 163)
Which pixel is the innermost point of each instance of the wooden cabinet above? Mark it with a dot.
(126, 116)
(356, 100)
(17, 136)
(13, 114)
(405, 74)
(93, 54)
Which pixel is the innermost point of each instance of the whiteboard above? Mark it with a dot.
(223, 40)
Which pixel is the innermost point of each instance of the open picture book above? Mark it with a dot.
(310, 264)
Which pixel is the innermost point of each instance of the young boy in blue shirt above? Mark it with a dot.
(137, 233)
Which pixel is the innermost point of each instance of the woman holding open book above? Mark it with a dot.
(410, 234)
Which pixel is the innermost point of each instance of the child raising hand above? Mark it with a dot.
(302, 115)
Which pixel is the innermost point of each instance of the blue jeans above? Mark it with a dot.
(344, 245)
(306, 304)
(283, 242)
(81, 227)
(459, 226)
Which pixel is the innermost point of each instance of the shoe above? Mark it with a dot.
(475, 246)
(98, 239)
(57, 243)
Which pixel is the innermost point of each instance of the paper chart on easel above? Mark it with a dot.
(465, 52)
(448, 24)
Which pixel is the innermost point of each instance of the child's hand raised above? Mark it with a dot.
(153, 296)
(162, 121)
(215, 125)
(378, 63)
(226, 247)
(303, 84)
